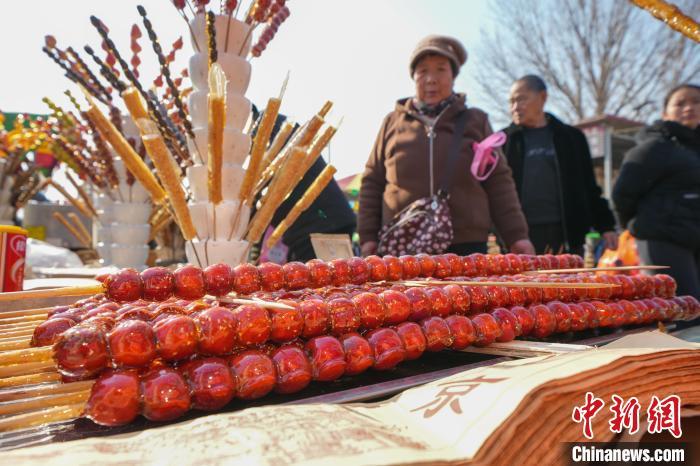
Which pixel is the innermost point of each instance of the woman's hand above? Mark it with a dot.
(368, 248)
(522, 246)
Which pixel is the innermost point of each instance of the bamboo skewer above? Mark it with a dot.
(17, 326)
(26, 356)
(21, 393)
(30, 379)
(27, 368)
(15, 345)
(506, 284)
(599, 269)
(50, 401)
(73, 201)
(51, 415)
(28, 312)
(19, 319)
(53, 292)
(17, 334)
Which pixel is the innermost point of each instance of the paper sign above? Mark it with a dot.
(328, 247)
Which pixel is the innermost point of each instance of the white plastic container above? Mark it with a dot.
(237, 33)
(130, 213)
(236, 146)
(210, 252)
(232, 177)
(237, 70)
(203, 218)
(126, 234)
(237, 110)
(123, 255)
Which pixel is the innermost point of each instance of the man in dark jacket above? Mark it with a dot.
(553, 174)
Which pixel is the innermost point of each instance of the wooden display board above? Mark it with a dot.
(328, 247)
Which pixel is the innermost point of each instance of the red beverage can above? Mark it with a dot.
(13, 245)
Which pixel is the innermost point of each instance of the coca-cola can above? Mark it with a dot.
(13, 245)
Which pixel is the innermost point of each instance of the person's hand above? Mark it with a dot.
(610, 239)
(368, 248)
(522, 246)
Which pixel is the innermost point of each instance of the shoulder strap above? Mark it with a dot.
(453, 155)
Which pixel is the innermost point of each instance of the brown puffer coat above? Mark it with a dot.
(398, 173)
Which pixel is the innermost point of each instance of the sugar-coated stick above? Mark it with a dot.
(277, 144)
(73, 231)
(276, 194)
(44, 416)
(262, 137)
(168, 173)
(312, 192)
(217, 121)
(134, 163)
(316, 147)
(80, 227)
(22, 380)
(133, 102)
(325, 109)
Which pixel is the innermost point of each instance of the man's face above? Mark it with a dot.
(434, 80)
(684, 108)
(526, 105)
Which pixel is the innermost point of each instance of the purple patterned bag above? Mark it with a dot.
(425, 225)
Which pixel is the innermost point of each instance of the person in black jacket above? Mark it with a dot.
(553, 174)
(657, 194)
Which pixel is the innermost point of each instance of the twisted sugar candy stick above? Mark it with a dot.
(217, 121)
(131, 159)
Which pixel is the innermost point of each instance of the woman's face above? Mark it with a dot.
(684, 107)
(434, 80)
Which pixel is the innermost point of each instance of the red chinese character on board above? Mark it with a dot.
(587, 412)
(665, 415)
(625, 415)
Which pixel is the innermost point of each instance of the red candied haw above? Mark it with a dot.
(442, 267)
(218, 279)
(502, 265)
(437, 334)
(255, 373)
(246, 279)
(410, 266)
(525, 319)
(498, 296)
(47, 332)
(427, 265)
(441, 304)
(124, 286)
(387, 347)
(132, 344)
(664, 308)
(194, 307)
(296, 275)
(413, 339)
(271, 276)
(579, 317)
(510, 325)
(104, 322)
(545, 321)
(469, 268)
(670, 285)
(114, 398)
(166, 395)
(287, 324)
(568, 295)
(514, 263)
(693, 307)
(603, 314)
(133, 313)
(609, 292)
(358, 354)
(327, 358)
(528, 262)
(487, 329)
(456, 267)
(321, 273)
(253, 323)
(398, 306)
(371, 308)
(478, 298)
(394, 269)
(377, 268)
(344, 316)
(211, 383)
(550, 262)
(517, 296)
(681, 308)
(293, 369)
(421, 306)
(341, 272)
(459, 299)
(103, 309)
(563, 315)
(629, 289)
(158, 283)
(58, 310)
(618, 314)
(654, 311)
(316, 317)
(189, 282)
(644, 285)
(176, 338)
(549, 293)
(591, 314)
(169, 309)
(462, 331)
(359, 271)
(81, 352)
(632, 314)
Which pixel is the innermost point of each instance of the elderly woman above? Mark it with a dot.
(657, 194)
(410, 156)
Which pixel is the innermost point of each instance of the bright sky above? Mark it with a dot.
(353, 53)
